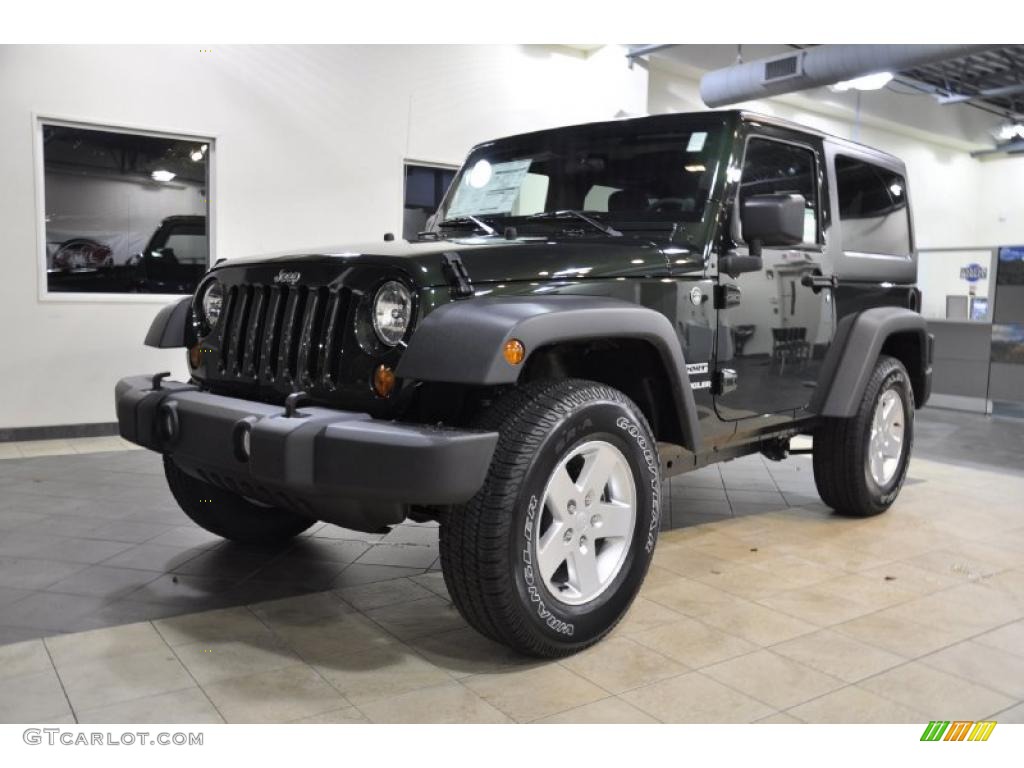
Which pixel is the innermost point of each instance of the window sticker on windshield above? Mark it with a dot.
(697, 140)
(489, 188)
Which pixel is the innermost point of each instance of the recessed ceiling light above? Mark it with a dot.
(162, 175)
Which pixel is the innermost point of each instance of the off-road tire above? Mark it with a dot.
(841, 466)
(486, 544)
(229, 515)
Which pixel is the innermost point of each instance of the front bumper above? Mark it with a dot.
(340, 466)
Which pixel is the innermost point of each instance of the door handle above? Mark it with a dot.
(817, 282)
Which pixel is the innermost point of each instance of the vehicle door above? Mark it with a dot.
(775, 324)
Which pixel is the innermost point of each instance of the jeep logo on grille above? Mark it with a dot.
(288, 278)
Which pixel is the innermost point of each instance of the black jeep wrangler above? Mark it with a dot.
(592, 309)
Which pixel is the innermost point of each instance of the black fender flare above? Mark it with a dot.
(172, 326)
(859, 340)
(461, 342)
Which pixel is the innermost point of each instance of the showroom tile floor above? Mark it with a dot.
(761, 606)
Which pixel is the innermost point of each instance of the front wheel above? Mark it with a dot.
(860, 463)
(549, 554)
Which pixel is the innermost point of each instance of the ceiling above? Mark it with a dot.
(991, 80)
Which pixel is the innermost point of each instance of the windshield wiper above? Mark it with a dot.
(469, 219)
(606, 228)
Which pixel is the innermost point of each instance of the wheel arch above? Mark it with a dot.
(615, 342)
(860, 339)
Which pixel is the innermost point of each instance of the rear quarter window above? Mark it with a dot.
(873, 210)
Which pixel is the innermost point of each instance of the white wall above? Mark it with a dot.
(310, 144)
(1001, 201)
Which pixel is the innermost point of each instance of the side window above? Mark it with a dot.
(774, 167)
(872, 208)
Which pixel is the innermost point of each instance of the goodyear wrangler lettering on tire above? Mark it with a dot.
(652, 465)
(529, 576)
(551, 552)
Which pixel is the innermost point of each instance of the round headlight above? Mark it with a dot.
(392, 308)
(212, 303)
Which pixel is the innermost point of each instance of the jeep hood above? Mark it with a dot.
(496, 260)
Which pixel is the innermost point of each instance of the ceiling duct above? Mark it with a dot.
(818, 66)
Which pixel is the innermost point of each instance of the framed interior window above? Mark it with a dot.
(123, 212)
(425, 186)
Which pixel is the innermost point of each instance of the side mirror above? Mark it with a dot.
(770, 220)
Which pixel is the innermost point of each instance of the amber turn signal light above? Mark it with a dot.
(514, 351)
(195, 356)
(383, 381)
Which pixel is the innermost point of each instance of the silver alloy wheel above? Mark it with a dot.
(587, 525)
(886, 444)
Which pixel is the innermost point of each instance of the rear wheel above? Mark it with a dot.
(551, 551)
(229, 515)
(860, 463)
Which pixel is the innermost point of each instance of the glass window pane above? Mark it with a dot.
(872, 208)
(109, 197)
(775, 168)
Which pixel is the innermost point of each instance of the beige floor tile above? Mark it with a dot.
(101, 444)
(32, 448)
(366, 597)
(1011, 582)
(911, 578)
(691, 598)
(448, 703)
(839, 556)
(748, 582)
(610, 710)
(1011, 715)
(693, 643)
(303, 609)
(1009, 638)
(103, 643)
(186, 706)
(898, 635)
(838, 655)
(758, 624)
(212, 626)
(326, 638)
(418, 618)
(36, 697)
(921, 687)
(799, 571)
(971, 609)
(346, 715)
(991, 667)
(113, 679)
(275, 697)
(853, 704)
(816, 606)
(466, 652)
(10, 451)
(222, 659)
(776, 680)
(696, 698)
(953, 564)
(645, 614)
(684, 560)
(872, 591)
(619, 664)
(779, 718)
(380, 673)
(531, 694)
(26, 658)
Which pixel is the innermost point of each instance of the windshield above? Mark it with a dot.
(638, 172)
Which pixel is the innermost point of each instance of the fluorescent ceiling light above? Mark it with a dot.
(197, 155)
(865, 83)
(162, 175)
(695, 168)
(896, 189)
(1011, 131)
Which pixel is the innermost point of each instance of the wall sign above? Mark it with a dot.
(973, 272)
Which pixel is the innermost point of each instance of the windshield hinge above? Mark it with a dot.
(456, 275)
